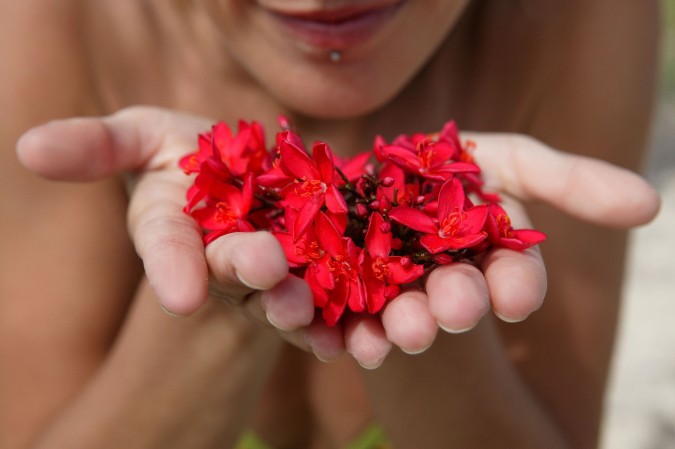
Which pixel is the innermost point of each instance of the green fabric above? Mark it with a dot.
(251, 441)
(371, 438)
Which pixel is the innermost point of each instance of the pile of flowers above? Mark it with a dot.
(355, 229)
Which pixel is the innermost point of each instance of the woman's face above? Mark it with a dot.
(332, 58)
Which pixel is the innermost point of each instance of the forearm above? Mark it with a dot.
(462, 393)
(170, 383)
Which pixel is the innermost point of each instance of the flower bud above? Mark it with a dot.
(388, 181)
(385, 205)
(361, 210)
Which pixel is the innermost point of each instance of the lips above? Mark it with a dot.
(336, 29)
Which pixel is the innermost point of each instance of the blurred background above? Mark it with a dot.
(641, 412)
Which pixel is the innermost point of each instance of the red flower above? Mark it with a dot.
(501, 233)
(437, 157)
(227, 210)
(333, 275)
(381, 273)
(396, 191)
(455, 227)
(321, 208)
(314, 183)
(240, 153)
(304, 250)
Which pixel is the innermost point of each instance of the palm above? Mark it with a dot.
(249, 270)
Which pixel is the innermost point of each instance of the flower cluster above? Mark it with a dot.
(355, 229)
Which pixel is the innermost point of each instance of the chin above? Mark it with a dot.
(330, 105)
(335, 93)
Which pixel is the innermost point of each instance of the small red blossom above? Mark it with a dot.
(314, 184)
(454, 228)
(354, 231)
(333, 278)
(501, 233)
(226, 210)
(436, 157)
(382, 272)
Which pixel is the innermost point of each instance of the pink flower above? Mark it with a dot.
(454, 228)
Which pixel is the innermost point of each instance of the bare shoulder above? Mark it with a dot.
(54, 260)
(602, 57)
(44, 62)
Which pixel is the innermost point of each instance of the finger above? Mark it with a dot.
(295, 312)
(242, 262)
(169, 242)
(327, 343)
(83, 149)
(458, 296)
(366, 340)
(517, 282)
(288, 306)
(589, 189)
(408, 323)
(516, 279)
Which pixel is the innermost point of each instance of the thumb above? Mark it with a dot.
(85, 149)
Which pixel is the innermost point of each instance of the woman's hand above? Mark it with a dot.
(249, 270)
(512, 283)
(246, 270)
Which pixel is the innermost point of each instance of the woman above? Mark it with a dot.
(89, 360)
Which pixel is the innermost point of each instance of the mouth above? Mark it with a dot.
(337, 29)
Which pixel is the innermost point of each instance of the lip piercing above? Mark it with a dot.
(335, 56)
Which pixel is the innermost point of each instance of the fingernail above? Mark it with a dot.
(322, 358)
(510, 320)
(250, 285)
(372, 365)
(451, 330)
(415, 351)
(275, 324)
(167, 311)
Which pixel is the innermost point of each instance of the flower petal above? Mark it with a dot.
(474, 219)
(354, 167)
(335, 202)
(329, 238)
(296, 162)
(306, 215)
(357, 296)
(323, 157)
(294, 259)
(414, 219)
(457, 167)
(450, 198)
(337, 301)
(399, 274)
(320, 295)
(378, 243)
(434, 243)
(401, 156)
